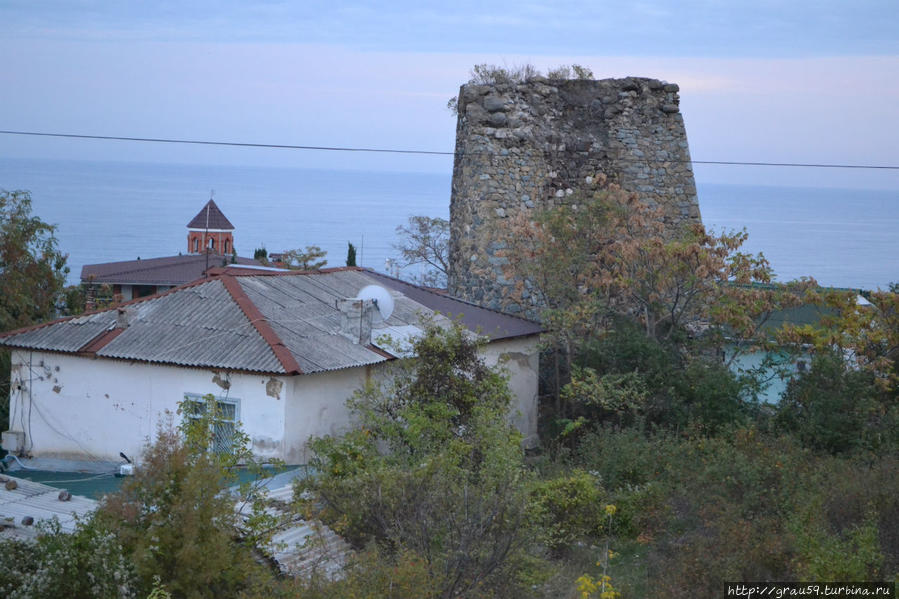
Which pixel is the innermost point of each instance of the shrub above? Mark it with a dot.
(88, 563)
(837, 409)
(568, 509)
(176, 517)
(433, 469)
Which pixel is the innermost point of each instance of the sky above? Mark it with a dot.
(761, 81)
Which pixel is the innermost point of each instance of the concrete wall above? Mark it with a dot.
(532, 146)
(71, 407)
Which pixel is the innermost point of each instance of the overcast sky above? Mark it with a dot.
(791, 81)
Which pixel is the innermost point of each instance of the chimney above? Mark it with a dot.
(123, 318)
(355, 319)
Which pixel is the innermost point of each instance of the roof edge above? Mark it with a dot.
(259, 322)
(453, 297)
(34, 327)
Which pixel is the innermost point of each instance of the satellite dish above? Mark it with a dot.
(381, 298)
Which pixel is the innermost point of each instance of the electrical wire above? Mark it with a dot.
(421, 152)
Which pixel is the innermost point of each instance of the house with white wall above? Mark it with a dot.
(280, 351)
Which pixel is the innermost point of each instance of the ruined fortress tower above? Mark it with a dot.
(533, 144)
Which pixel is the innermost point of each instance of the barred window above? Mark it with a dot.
(224, 425)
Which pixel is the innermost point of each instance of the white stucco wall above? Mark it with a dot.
(96, 408)
(316, 406)
(74, 407)
(520, 359)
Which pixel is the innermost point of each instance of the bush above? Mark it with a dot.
(567, 510)
(646, 382)
(176, 518)
(88, 563)
(433, 470)
(837, 409)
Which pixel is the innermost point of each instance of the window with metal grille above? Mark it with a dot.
(224, 422)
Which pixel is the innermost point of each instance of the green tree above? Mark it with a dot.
(310, 258)
(350, 254)
(176, 517)
(32, 275)
(433, 468)
(261, 254)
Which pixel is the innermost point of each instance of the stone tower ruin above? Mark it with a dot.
(531, 145)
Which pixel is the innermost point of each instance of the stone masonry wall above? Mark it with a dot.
(533, 145)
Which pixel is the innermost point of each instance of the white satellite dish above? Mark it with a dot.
(381, 298)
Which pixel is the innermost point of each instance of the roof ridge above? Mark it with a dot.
(261, 324)
(217, 271)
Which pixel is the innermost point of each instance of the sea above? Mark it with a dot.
(110, 211)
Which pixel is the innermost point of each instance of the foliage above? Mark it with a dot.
(372, 575)
(649, 382)
(424, 241)
(609, 255)
(350, 254)
(567, 509)
(836, 408)
(743, 505)
(86, 564)
(574, 71)
(32, 269)
(433, 468)
(866, 335)
(74, 297)
(311, 258)
(605, 258)
(261, 254)
(32, 274)
(491, 74)
(176, 518)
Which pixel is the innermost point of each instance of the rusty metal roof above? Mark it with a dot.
(273, 322)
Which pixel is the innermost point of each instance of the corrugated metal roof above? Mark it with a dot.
(490, 323)
(284, 323)
(40, 502)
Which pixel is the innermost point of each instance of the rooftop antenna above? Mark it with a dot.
(206, 234)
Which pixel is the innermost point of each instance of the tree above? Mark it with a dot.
(433, 468)
(350, 254)
(32, 269)
(310, 258)
(32, 275)
(424, 241)
(176, 517)
(606, 256)
(261, 254)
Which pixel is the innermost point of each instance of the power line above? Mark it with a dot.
(418, 152)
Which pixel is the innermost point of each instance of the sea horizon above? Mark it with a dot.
(108, 211)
